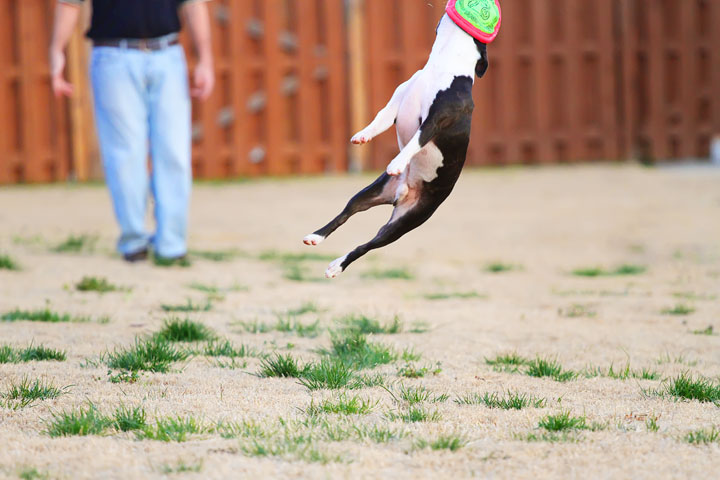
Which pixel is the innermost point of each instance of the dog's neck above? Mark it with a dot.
(454, 51)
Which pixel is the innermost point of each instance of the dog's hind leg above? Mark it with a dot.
(381, 192)
(407, 216)
(385, 117)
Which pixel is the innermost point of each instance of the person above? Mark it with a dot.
(142, 105)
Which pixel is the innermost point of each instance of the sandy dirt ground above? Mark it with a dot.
(546, 222)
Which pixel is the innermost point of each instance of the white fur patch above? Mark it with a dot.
(313, 239)
(335, 267)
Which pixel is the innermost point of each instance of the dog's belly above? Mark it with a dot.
(424, 166)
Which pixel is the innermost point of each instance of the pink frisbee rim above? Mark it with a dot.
(469, 27)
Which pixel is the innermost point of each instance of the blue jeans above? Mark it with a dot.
(142, 106)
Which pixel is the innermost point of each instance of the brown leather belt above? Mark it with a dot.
(144, 44)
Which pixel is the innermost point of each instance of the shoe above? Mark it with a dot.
(180, 260)
(138, 256)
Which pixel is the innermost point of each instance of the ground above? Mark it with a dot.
(495, 272)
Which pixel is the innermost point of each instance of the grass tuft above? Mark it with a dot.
(500, 267)
(415, 413)
(95, 284)
(78, 422)
(189, 306)
(686, 387)
(329, 373)
(509, 401)
(215, 255)
(389, 274)
(45, 315)
(709, 331)
(545, 367)
(290, 324)
(129, 419)
(563, 421)
(344, 405)
(8, 263)
(152, 355)
(679, 310)
(225, 348)
(32, 473)
(454, 295)
(76, 244)
(355, 351)
(182, 467)
(367, 325)
(26, 392)
(284, 366)
(450, 442)
(307, 307)
(173, 429)
(703, 437)
(621, 270)
(176, 330)
(410, 370)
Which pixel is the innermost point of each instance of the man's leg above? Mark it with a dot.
(170, 147)
(121, 118)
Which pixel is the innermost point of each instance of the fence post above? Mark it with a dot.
(357, 45)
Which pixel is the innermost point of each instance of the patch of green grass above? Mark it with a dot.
(452, 442)
(45, 315)
(95, 284)
(32, 473)
(225, 348)
(8, 263)
(26, 392)
(331, 373)
(651, 424)
(578, 310)
(255, 327)
(173, 429)
(709, 331)
(687, 387)
(367, 325)
(367, 381)
(379, 434)
(287, 257)
(8, 354)
(509, 401)
(188, 306)
(550, 437)
(343, 404)
(545, 367)
(703, 437)
(621, 270)
(289, 446)
(153, 355)
(78, 422)
(623, 373)
(692, 296)
(297, 272)
(215, 255)
(389, 274)
(563, 421)
(290, 324)
(163, 262)
(182, 467)
(415, 413)
(415, 395)
(130, 419)
(176, 330)
(500, 267)
(307, 307)
(507, 359)
(679, 359)
(284, 366)
(354, 350)
(454, 295)
(414, 371)
(678, 310)
(243, 429)
(76, 244)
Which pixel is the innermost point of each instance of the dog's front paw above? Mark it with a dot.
(335, 268)
(361, 138)
(313, 239)
(396, 168)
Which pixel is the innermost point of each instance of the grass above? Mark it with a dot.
(297, 272)
(509, 401)
(500, 267)
(414, 414)
(8, 263)
(173, 429)
(8, 354)
(709, 331)
(176, 330)
(188, 306)
(216, 293)
(96, 284)
(367, 325)
(687, 387)
(621, 270)
(389, 274)
(355, 351)
(45, 315)
(32, 473)
(563, 421)
(76, 244)
(290, 324)
(692, 296)
(623, 373)
(578, 310)
(417, 395)
(287, 257)
(284, 366)
(546, 367)
(183, 262)
(26, 392)
(343, 404)
(454, 295)
(679, 309)
(410, 370)
(307, 307)
(152, 355)
(450, 442)
(703, 437)
(181, 467)
(330, 373)
(129, 419)
(215, 255)
(507, 359)
(78, 422)
(225, 348)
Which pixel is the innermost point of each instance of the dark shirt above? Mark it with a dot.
(118, 19)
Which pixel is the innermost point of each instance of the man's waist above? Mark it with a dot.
(144, 44)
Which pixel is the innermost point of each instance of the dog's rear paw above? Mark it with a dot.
(360, 138)
(335, 268)
(313, 239)
(395, 169)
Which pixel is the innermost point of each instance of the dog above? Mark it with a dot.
(432, 113)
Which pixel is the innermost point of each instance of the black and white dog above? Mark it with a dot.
(432, 112)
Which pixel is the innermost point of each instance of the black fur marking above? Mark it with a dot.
(482, 65)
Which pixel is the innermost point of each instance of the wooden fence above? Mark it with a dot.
(570, 80)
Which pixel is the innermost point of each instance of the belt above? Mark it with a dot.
(144, 44)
